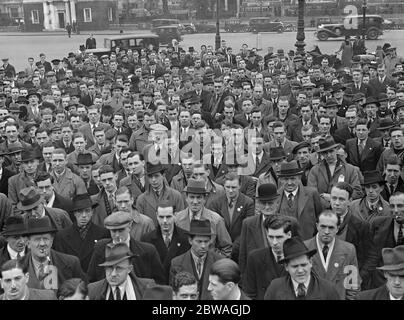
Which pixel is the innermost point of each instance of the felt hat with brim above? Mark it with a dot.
(331, 103)
(28, 155)
(200, 228)
(14, 147)
(327, 144)
(84, 159)
(385, 123)
(14, 226)
(382, 97)
(3, 152)
(158, 292)
(116, 253)
(290, 169)
(39, 226)
(277, 153)
(195, 186)
(267, 192)
(33, 93)
(393, 260)
(152, 168)
(294, 248)
(337, 87)
(14, 108)
(118, 220)
(29, 198)
(374, 176)
(82, 201)
(399, 104)
(358, 97)
(301, 145)
(371, 100)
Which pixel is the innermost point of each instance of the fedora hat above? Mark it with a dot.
(393, 260)
(358, 97)
(399, 104)
(327, 144)
(293, 248)
(195, 186)
(370, 177)
(277, 153)
(14, 147)
(33, 93)
(331, 103)
(14, 226)
(371, 100)
(267, 192)
(158, 292)
(154, 168)
(84, 159)
(385, 123)
(82, 201)
(27, 155)
(115, 253)
(382, 97)
(39, 226)
(290, 169)
(200, 228)
(337, 87)
(29, 198)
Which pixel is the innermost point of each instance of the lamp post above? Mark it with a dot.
(217, 37)
(300, 44)
(364, 7)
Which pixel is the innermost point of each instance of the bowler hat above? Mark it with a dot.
(29, 198)
(152, 168)
(393, 260)
(82, 201)
(84, 159)
(14, 226)
(277, 153)
(385, 123)
(200, 228)
(195, 186)
(374, 176)
(39, 226)
(301, 145)
(267, 192)
(290, 169)
(118, 220)
(158, 292)
(371, 100)
(293, 248)
(327, 144)
(116, 253)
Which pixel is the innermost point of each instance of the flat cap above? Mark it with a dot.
(158, 127)
(118, 220)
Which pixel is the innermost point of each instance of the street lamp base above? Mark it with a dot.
(217, 41)
(300, 47)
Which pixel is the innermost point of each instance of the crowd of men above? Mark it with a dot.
(185, 174)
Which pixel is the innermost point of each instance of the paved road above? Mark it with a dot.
(20, 46)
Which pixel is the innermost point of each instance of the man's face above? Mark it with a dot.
(117, 121)
(108, 181)
(165, 219)
(42, 138)
(266, 208)
(276, 238)
(290, 184)
(340, 201)
(232, 188)
(397, 207)
(362, 131)
(187, 166)
(83, 216)
(257, 144)
(395, 284)
(356, 76)
(200, 245)
(217, 289)
(324, 125)
(201, 173)
(371, 110)
(45, 189)
(156, 180)
(30, 167)
(283, 107)
(373, 191)
(14, 283)
(85, 171)
(279, 134)
(40, 245)
(256, 118)
(118, 273)
(99, 137)
(79, 144)
(299, 268)
(397, 139)
(148, 121)
(93, 116)
(195, 202)
(327, 228)
(351, 117)
(124, 202)
(392, 172)
(11, 134)
(58, 162)
(247, 106)
(75, 122)
(189, 292)
(135, 165)
(47, 154)
(17, 242)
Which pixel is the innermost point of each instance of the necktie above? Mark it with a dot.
(325, 252)
(199, 266)
(290, 200)
(41, 273)
(257, 161)
(391, 189)
(339, 220)
(111, 200)
(361, 148)
(231, 203)
(167, 240)
(118, 294)
(301, 290)
(400, 237)
(107, 206)
(18, 255)
(278, 258)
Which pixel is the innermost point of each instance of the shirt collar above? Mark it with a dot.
(392, 298)
(51, 200)
(294, 193)
(13, 254)
(306, 285)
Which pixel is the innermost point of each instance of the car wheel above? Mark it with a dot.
(372, 34)
(322, 36)
(280, 30)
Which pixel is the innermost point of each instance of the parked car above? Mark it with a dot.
(389, 25)
(166, 22)
(264, 24)
(205, 28)
(189, 27)
(236, 25)
(130, 41)
(167, 33)
(374, 28)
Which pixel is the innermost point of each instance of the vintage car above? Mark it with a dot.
(130, 41)
(189, 28)
(205, 28)
(166, 22)
(166, 34)
(263, 24)
(374, 28)
(235, 25)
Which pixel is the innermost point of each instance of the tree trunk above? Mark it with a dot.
(165, 7)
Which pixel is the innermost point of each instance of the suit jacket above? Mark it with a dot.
(69, 241)
(68, 267)
(367, 90)
(98, 290)
(380, 293)
(381, 86)
(319, 289)
(247, 184)
(37, 294)
(386, 190)
(366, 160)
(185, 262)
(100, 211)
(342, 255)
(262, 167)
(60, 144)
(241, 120)
(86, 130)
(111, 160)
(146, 261)
(308, 209)
(343, 134)
(7, 174)
(295, 129)
(288, 146)
(360, 208)
(179, 244)
(134, 185)
(261, 269)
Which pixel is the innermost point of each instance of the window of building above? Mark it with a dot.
(35, 16)
(14, 12)
(87, 15)
(110, 15)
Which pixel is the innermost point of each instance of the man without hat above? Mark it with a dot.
(301, 283)
(94, 115)
(47, 268)
(146, 262)
(185, 286)
(199, 258)
(79, 239)
(121, 280)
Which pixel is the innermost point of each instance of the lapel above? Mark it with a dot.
(336, 260)
(317, 264)
(301, 200)
(367, 150)
(257, 232)
(225, 212)
(238, 208)
(322, 169)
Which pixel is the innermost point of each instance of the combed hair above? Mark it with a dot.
(344, 186)
(69, 288)
(14, 264)
(277, 221)
(182, 278)
(226, 270)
